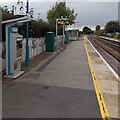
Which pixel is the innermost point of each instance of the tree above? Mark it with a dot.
(6, 8)
(36, 29)
(97, 27)
(6, 15)
(87, 30)
(58, 10)
(101, 32)
(112, 26)
(39, 28)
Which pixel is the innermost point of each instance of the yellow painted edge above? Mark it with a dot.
(103, 108)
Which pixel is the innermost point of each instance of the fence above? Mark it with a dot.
(37, 46)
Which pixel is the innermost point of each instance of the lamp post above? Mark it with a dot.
(61, 19)
(63, 33)
(27, 11)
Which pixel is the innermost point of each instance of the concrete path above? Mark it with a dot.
(64, 89)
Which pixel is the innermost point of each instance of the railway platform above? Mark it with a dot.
(107, 79)
(74, 84)
(108, 38)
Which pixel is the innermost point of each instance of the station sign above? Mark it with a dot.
(63, 22)
(20, 8)
(14, 29)
(66, 22)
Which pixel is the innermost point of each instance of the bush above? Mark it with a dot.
(117, 37)
(101, 32)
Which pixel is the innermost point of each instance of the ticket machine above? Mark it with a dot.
(13, 52)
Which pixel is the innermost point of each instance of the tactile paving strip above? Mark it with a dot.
(31, 76)
(49, 61)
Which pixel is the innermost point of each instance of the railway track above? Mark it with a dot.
(112, 47)
(111, 43)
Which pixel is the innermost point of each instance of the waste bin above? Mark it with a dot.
(49, 42)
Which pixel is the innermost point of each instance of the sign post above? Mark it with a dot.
(27, 45)
(19, 8)
(27, 61)
(56, 33)
(61, 21)
(63, 33)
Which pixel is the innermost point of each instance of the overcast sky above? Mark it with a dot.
(63, 0)
(90, 13)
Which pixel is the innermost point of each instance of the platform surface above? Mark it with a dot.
(64, 89)
(108, 82)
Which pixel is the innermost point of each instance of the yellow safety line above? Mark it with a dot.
(103, 108)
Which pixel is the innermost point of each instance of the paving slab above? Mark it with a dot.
(109, 87)
(109, 84)
(106, 75)
(112, 103)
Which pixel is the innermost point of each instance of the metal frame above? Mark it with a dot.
(63, 29)
(8, 25)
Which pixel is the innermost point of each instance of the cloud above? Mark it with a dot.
(89, 13)
(95, 13)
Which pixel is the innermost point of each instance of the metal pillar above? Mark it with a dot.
(27, 61)
(27, 45)
(56, 33)
(63, 34)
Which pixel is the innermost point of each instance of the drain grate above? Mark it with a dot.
(31, 76)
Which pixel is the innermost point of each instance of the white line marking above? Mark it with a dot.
(111, 69)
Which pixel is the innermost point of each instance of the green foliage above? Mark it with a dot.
(22, 30)
(87, 30)
(118, 37)
(37, 29)
(97, 28)
(101, 32)
(6, 15)
(112, 26)
(58, 10)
